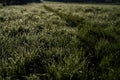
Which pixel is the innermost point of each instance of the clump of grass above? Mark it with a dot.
(2, 19)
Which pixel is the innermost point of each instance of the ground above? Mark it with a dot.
(60, 41)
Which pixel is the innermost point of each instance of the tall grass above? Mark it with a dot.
(47, 44)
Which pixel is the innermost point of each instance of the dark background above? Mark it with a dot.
(89, 1)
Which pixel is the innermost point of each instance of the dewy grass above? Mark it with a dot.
(60, 41)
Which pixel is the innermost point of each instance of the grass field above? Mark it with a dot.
(58, 41)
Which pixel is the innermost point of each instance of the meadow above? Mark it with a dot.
(60, 41)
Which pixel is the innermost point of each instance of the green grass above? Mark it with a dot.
(58, 41)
